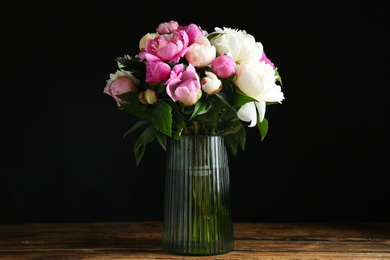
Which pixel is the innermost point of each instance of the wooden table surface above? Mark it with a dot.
(142, 240)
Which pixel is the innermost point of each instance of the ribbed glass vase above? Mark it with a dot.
(197, 213)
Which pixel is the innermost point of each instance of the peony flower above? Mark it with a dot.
(163, 48)
(167, 28)
(183, 86)
(119, 83)
(200, 53)
(192, 31)
(145, 39)
(241, 46)
(264, 58)
(211, 84)
(148, 96)
(156, 71)
(223, 66)
(257, 80)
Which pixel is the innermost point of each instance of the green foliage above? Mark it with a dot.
(279, 79)
(147, 136)
(263, 128)
(210, 115)
(214, 36)
(135, 66)
(162, 117)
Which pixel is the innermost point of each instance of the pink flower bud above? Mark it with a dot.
(223, 66)
(148, 96)
(119, 86)
(156, 72)
(167, 28)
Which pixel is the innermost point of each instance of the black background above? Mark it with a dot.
(325, 156)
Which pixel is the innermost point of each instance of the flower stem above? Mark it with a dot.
(219, 119)
(203, 127)
(195, 127)
(185, 129)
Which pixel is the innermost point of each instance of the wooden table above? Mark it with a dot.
(141, 240)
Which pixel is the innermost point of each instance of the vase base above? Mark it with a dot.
(198, 250)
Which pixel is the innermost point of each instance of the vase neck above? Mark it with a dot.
(197, 152)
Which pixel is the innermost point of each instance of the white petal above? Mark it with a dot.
(261, 109)
(248, 113)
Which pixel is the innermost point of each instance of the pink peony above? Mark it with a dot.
(223, 66)
(167, 28)
(192, 31)
(183, 86)
(163, 48)
(156, 71)
(264, 58)
(119, 86)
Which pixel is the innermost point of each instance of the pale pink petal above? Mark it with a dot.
(168, 90)
(149, 57)
(178, 68)
(202, 40)
(168, 52)
(191, 68)
(193, 85)
(185, 96)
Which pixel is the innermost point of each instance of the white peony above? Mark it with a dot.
(241, 46)
(257, 80)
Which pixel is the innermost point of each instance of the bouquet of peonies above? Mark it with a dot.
(188, 82)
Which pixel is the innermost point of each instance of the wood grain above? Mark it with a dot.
(142, 240)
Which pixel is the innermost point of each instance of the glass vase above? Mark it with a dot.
(197, 213)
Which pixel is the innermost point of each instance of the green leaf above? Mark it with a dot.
(278, 77)
(228, 85)
(200, 108)
(231, 144)
(160, 88)
(226, 99)
(187, 110)
(131, 97)
(213, 36)
(162, 139)
(241, 99)
(177, 134)
(235, 99)
(263, 127)
(200, 119)
(147, 136)
(162, 117)
(241, 137)
(138, 110)
(219, 106)
(136, 126)
(135, 66)
(232, 129)
(131, 64)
